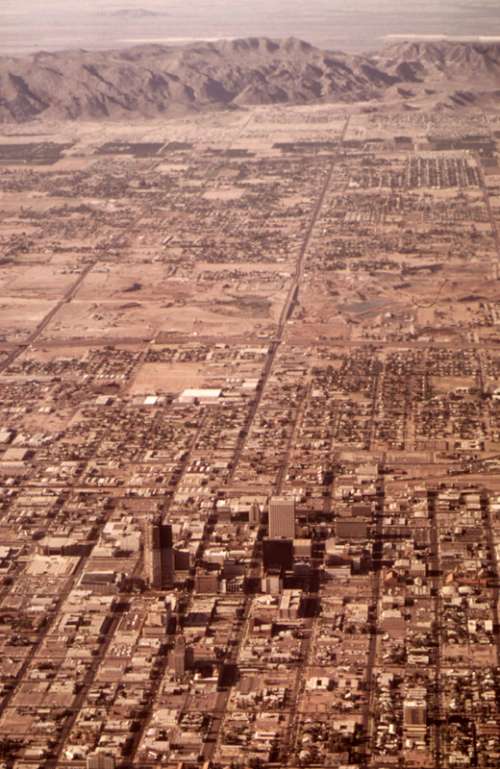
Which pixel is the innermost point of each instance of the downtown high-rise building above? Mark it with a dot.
(159, 562)
(281, 518)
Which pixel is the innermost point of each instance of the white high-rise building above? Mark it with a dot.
(100, 760)
(281, 518)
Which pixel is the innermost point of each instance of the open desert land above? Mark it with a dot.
(197, 227)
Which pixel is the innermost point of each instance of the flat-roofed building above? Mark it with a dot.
(277, 554)
(290, 604)
(204, 396)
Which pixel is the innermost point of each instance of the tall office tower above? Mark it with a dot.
(100, 760)
(281, 518)
(178, 657)
(254, 514)
(159, 554)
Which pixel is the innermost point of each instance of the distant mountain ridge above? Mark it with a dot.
(154, 80)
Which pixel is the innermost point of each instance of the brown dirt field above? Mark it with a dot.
(167, 377)
(19, 317)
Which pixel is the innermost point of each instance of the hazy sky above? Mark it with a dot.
(29, 25)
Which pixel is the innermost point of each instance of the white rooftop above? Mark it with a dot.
(204, 394)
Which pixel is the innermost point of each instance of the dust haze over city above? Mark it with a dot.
(358, 25)
(249, 384)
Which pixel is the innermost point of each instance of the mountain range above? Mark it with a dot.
(154, 80)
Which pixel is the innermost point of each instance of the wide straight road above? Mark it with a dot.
(292, 299)
(291, 302)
